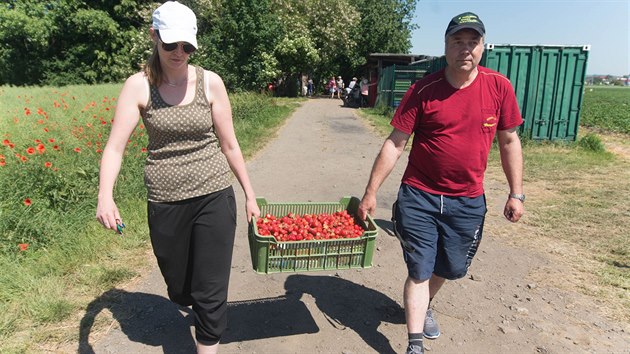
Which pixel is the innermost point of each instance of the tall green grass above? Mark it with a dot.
(54, 257)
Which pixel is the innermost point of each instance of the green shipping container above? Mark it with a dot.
(548, 81)
(394, 82)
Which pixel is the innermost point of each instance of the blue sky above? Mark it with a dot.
(601, 23)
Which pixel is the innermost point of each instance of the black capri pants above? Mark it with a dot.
(193, 241)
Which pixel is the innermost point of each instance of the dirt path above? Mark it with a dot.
(325, 152)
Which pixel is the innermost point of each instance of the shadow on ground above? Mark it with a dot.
(349, 306)
(145, 318)
(155, 321)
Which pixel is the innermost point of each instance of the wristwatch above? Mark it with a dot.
(520, 197)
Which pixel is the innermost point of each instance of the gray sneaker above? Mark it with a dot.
(431, 328)
(415, 348)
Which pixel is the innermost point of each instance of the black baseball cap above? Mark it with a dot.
(465, 20)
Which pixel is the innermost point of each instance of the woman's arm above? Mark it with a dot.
(222, 119)
(132, 97)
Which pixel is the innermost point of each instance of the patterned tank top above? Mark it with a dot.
(184, 157)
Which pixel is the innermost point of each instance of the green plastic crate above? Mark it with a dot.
(271, 256)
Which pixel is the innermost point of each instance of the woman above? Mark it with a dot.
(192, 148)
(332, 86)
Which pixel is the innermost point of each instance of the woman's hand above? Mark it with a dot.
(107, 214)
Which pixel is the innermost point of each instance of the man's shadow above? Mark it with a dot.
(347, 305)
(145, 318)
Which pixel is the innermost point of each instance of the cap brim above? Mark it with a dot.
(465, 26)
(174, 35)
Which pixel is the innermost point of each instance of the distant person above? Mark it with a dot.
(332, 86)
(309, 87)
(340, 86)
(365, 89)
(440, 209)
(351, 85)
(193, 155)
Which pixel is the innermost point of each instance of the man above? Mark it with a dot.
(439, 214)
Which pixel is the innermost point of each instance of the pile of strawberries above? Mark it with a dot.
(292, 227)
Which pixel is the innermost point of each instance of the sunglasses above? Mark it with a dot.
(169, 47)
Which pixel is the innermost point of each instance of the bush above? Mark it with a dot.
(591, 142)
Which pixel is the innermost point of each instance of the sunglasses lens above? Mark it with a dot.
(189, 48)
(169, 47)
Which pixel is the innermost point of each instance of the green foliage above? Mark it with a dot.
(248, 42)
(71, 41)
(238, 39)
(607, 108)
(591, 142)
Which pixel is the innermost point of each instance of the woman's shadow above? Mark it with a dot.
(145, 318)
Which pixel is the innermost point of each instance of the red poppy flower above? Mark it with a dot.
(38, 141)
(77, 149)
(55, 147)
(23, 246)
(30, 150)
(51, 140)
(23, 158)
(6, 142)
(27, 111)
(41, 148)
(2, 163)
(143, 149)
(47, 164)
(28, 202)
(46, 130)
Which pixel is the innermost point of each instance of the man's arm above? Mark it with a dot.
(512, 163)
(383, 165)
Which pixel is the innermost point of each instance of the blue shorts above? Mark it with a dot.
(439, 234)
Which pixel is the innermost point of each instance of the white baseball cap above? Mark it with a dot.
(176, 23)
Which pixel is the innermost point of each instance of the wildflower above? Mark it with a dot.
(48, 164)
(27, 111)
(2, 163)
(6, 142)
(23, 246)
(143, 149)
(55, 147)
(46, 130)
(51, 140)
(30, 150)
(77, 149)
(27, 202)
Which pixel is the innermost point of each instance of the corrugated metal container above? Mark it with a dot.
(548, 81)
(394, 82)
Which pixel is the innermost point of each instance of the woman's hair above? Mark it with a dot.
(152, 69)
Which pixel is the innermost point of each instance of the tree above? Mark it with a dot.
(238, 38)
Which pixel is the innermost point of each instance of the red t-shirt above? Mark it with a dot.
(454, 129)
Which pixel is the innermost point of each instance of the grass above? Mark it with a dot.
(607, 108)
(52, 139)
(577, 210)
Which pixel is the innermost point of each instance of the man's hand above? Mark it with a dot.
(367, 206)
(513, 209)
